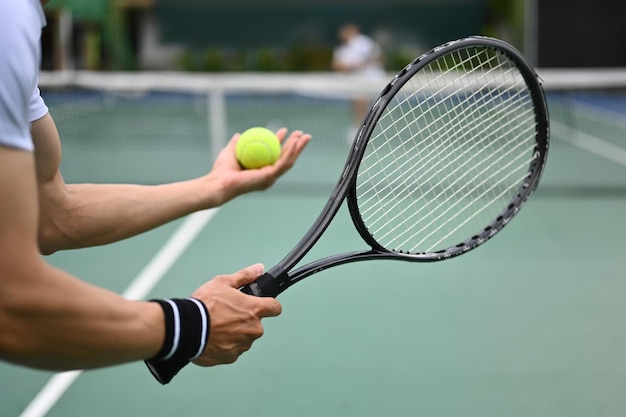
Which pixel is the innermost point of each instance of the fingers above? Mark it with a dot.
(292, 149)
(271, 307)
(281, 133)
(235, 316)
(245, 276)
(226, 160)
(232, 143)
(265, 307)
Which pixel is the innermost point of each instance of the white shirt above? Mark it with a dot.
(20, 52)
(360, 52)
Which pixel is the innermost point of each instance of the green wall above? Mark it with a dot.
(95, 10)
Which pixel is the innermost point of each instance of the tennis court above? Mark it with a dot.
(530, 324)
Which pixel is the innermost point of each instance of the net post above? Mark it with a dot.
(216, 119)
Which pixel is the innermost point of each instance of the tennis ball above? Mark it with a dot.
(257, 147)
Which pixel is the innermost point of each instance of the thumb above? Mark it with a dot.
(247, 275)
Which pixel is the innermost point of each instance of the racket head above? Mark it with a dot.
(449, 152)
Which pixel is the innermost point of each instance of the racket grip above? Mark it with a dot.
(265, 286)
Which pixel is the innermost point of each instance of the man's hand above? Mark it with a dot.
(235, 180)
(235, 316)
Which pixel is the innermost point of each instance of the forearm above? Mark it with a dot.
(83, 215)
(51, 320)
(75, 216)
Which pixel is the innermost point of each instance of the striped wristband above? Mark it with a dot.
(187, 325)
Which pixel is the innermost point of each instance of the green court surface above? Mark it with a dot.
(530, 324)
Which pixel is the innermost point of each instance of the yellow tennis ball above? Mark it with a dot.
(257, 147)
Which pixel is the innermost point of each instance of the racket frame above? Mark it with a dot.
(278, 278)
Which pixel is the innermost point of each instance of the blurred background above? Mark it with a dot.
(279, 35)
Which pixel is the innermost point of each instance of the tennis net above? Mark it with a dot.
(588, 132)
(161, 127)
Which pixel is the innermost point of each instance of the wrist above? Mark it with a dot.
(213, 192)
(187, 327)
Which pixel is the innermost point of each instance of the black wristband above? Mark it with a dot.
(187, 325)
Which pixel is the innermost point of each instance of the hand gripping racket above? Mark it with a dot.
(447, 155)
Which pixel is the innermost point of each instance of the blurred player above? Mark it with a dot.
(357, 54)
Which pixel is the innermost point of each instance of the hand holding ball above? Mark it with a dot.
(257, 147)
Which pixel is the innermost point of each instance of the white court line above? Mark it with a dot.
(138, 289)
(592, 144)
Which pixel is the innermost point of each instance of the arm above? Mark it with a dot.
(81, 215)
(48, 318)
(51, 320)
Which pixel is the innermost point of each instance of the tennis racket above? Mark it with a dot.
(447, 155)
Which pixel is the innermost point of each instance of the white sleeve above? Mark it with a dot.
(36, 106)
(20, 32)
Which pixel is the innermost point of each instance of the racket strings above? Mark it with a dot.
(444, 210)
(447, 130)
(448, 153)
(444, 192)
(429, 228)
(440, 150)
